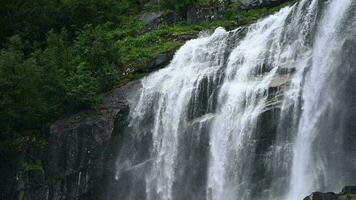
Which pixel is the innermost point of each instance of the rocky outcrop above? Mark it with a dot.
(154, 20)
(159, 62)
(259, 3)
(80, 159)
(198, 13)
(347, 193)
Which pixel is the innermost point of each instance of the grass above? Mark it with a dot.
(128, 78)
(244, 17)
(137, 47)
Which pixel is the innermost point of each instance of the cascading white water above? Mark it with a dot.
(171, 90)
(325, 55)
(241, 100)
(236, 115)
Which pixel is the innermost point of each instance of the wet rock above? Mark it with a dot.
(247, 4)
(347, 193)
(321, 196)
(159, 62)
(349, 190)
(289, 69)
(280, 81)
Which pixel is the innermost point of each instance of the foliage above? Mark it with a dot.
(33, 19)
(31, 166)
(243, 16)
(66, 76)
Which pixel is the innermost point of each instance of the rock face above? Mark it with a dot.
(198, 13)
(154, 20)
(259, 3)
(81, 155)
(347, 193)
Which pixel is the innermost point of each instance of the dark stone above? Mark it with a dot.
(152, 19)
(155, 20)
(81, 155)
(321, 196)
(248, 4)
(198, 14)
(349, 190)
(159, 62)
(344, 195)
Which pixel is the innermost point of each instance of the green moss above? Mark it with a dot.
(139, 51)
(128, 78)
(137, 47)
(243, 16)
(351, 197)
(31, 166)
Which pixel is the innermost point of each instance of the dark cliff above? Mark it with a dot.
(80, 159)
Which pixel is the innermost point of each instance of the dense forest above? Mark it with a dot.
(56, 58)
(59, 57)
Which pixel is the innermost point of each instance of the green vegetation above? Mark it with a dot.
(28, 167)
(351, 196)
(243, 17)
(58, 57)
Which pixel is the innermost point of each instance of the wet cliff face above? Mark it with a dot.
(81, 155)
(259, 3)
(83, 149)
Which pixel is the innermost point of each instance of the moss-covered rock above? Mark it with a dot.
(347, 193)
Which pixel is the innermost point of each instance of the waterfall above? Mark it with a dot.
(309, 167)
(252, 114)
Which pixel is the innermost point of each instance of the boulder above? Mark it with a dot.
(151, 18)
(154, 20)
